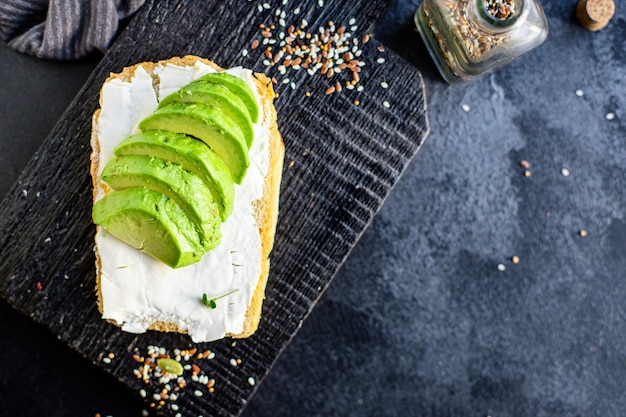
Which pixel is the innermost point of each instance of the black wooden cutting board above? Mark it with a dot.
(344, 153)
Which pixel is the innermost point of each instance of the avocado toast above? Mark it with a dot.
(232, 203)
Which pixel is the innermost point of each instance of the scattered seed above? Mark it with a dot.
(386, 104)
(565, 172)
(527, 173)
(251, 381)
(384, 85)
(610, 116)
(515, 259)
(380, 60)
(524, 164)
(580, 93)
(197, 393)
(330, 90)
(465, 107)
(582, 233)
(501, 267)
(233, 362)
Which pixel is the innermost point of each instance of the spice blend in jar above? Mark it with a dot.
(467, 38)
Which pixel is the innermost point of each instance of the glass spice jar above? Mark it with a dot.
(467, 38)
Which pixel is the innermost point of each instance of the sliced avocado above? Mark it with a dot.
(217, 96)
(208, 124)
(237, 86)
(187, 189)
(152, 223)
(192, 155)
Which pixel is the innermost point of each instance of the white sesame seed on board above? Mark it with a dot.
(386, 104)
(580, 93)
(384, 85)
(380, 60)
(501, 267)
(233, 362)
(565, 172)
(197, 393)
(251, 381)
(465, 107)
(320, 3)
(244, 52)
(610, 116)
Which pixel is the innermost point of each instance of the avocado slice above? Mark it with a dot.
(217, 96)
(237, 86)
(208, 124)
(150, 222)
(184, 187)
(192, 155)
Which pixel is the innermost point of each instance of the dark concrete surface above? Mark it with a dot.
(421, 321)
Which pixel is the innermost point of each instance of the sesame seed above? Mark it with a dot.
(582, 233)
(251, 381)
(352, 21)
(501, 267)
(384, 85)
(524, 164)
(465, 107)
(386, 104)
(244, 52)
(320, 3)
(527, 173)
(610, 116)
(565, 172)
(266, 5)
(233, 362)
(106, 360)
(197, 393)
(580, 93)
(515, 259)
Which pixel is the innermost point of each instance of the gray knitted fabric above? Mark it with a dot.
(62, 29)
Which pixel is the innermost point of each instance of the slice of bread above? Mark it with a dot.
(126, 280)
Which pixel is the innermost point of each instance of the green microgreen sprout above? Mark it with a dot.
(212, 302)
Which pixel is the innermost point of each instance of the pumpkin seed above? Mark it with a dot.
(170, 366)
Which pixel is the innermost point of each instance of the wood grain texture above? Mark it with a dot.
(341, 162)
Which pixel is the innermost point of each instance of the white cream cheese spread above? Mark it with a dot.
(137, 290)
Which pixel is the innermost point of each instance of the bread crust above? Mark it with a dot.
(266, 208)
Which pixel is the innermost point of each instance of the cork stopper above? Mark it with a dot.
(595, 14)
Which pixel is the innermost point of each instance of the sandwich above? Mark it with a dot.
(186, 165)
